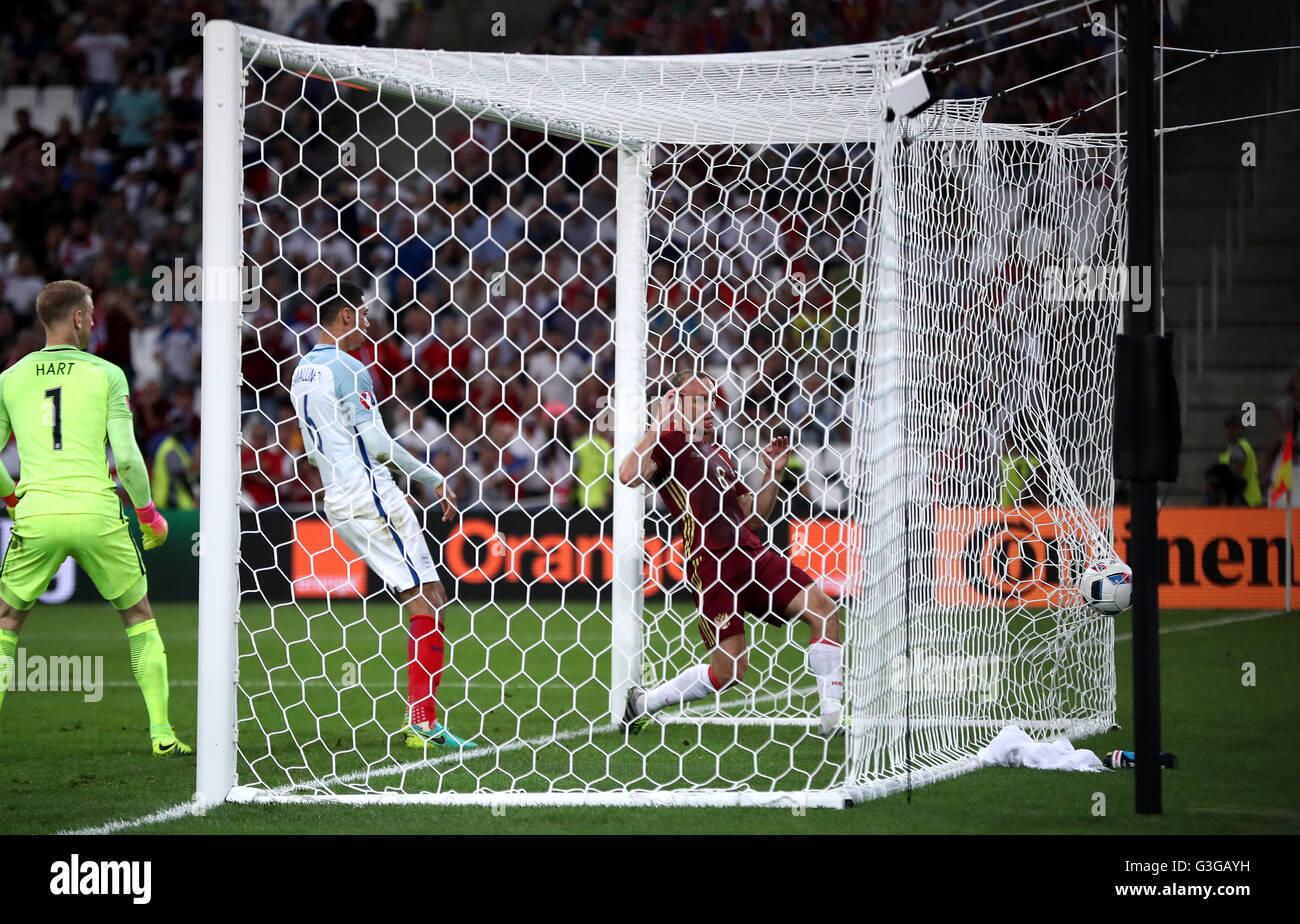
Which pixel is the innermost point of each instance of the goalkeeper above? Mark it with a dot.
(62, 404)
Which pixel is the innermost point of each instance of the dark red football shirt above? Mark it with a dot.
(700, 485)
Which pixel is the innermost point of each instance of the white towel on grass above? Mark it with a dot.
(1013, 748)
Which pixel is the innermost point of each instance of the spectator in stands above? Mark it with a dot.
(311, 24)
(162, 162)
(416, 329)
(78, 249)
(150, 408)
(62, 62)
(487, 480)
(143, 57)
(174, 470)
(418, 432)
(1234, 480)
(8, 326)
(178, 348)
(1240, 457)
(352, 22)
(23, 286)
(1222, 487)
(23, 132)
(264, 466)
(28, 341)
(255, 14)
(116, 317)
(25, 48)
(102, 48)
(593, 464)
(133, 274)
(134, 110)
(182, 403)
(445, 361)
(186, 111)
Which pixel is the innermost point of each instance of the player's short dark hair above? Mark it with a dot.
(333, 297)
(58, 300)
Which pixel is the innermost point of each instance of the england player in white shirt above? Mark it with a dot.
(347, 441)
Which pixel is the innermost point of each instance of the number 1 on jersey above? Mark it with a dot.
(56, 424)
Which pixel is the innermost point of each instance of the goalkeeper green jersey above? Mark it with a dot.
(58, 402)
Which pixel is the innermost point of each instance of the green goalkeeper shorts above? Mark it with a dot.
(101, 545)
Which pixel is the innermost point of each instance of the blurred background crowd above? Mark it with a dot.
(491, 341)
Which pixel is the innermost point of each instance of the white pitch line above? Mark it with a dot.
(1208, 623)
(169, 814)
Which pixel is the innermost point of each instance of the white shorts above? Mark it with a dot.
(390, 540)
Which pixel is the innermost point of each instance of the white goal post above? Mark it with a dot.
(543, 241)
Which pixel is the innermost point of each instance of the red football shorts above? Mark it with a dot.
(726, 584)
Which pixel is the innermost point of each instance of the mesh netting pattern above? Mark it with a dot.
(873, 290)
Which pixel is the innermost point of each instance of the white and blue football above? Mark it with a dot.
(1108, 588)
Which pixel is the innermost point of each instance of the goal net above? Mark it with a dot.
(543, 242)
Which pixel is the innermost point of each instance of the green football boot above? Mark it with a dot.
(435, 736)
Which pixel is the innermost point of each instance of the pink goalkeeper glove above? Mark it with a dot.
(152, 526)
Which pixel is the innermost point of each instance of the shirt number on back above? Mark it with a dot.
(54, 415)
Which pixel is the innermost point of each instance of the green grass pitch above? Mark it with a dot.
(71, 764)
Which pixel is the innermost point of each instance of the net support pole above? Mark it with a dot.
(1140, 320)
(219, 407)
(630, 273)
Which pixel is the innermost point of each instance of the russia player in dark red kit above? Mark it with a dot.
(730, 570)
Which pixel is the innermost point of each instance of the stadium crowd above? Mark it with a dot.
(511, 399)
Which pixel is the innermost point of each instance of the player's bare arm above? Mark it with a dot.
(775, 457)
(639, 467)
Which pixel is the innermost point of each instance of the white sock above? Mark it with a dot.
(825, 665)
(692, 683)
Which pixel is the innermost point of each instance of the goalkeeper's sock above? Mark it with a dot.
(149, 664)
(693, 683)
(824, 663)
(8, 660)
(424, 652)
